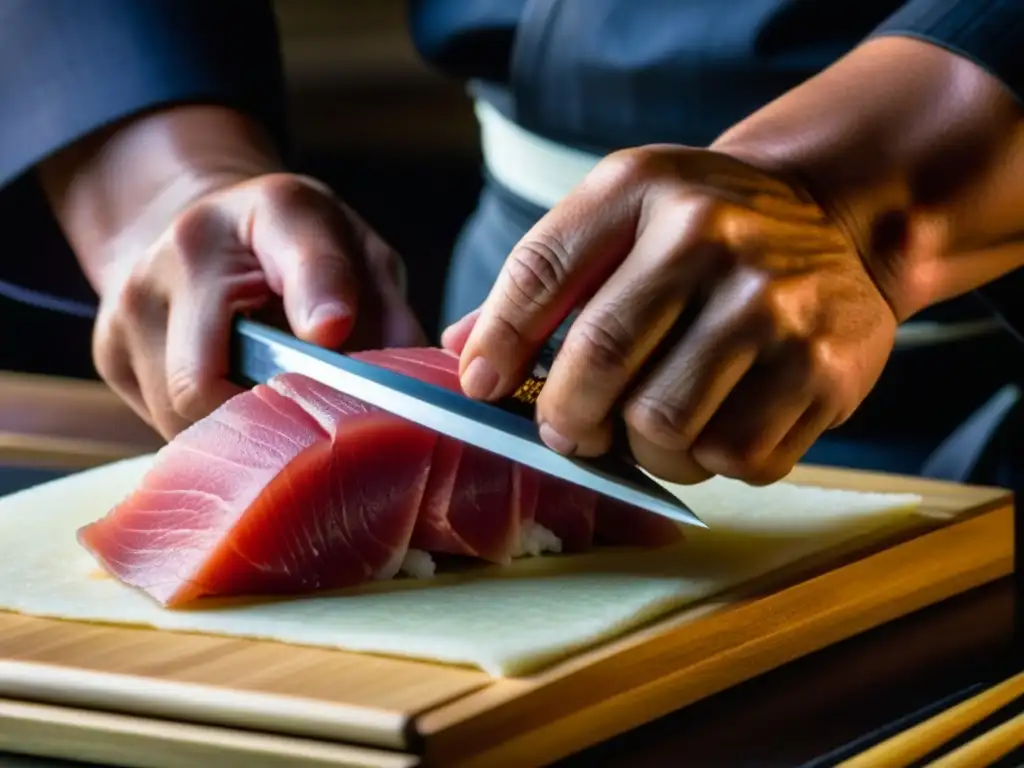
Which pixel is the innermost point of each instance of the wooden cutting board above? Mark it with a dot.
(147, 698)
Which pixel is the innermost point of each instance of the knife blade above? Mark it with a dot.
(260, 352)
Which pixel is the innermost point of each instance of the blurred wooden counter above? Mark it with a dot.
(67, 423)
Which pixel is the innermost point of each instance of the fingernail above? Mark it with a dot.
(480, 379)
(331, 312)
(555, 440)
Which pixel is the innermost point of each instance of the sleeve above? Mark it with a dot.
(989, 32)
(68, 68)
(1004, 297)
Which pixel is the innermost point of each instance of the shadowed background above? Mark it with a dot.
(394, 139)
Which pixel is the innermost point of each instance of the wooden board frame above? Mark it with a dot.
(445, 716)
(141, 697)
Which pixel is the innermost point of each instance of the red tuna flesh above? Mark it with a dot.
(470, 506)
(467, 523)
(270, 496)
(294, 487)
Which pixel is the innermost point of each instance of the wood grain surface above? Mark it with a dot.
(67, 423)
(124, 740)
(454, 717)
(908, 747)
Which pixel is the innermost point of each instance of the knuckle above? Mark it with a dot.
(822, 364)
(193, 233)
(105, 357)
(535, 270)
(828, 377)
(765, 302)
(289, 191)
(627, 166)
(744, 459)
(663, 423)
(110, 356)
(136, 296)
(603, 343)
(186, 393)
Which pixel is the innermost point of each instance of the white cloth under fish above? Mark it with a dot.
(505, 621)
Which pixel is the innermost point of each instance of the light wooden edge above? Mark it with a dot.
(75, 734)
(987, 748)
(271, 713)
(914, 743)
(55, 384)
(653, 672)
(54, 452)
(945, 493)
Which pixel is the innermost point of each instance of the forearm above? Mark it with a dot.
(919, 152)
(84, 86)
(119, 188)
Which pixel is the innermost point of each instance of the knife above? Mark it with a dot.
(260, 352)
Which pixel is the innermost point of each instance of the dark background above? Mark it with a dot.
(393, 138)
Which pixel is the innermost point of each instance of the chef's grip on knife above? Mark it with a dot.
(260, 352)
(822, 208)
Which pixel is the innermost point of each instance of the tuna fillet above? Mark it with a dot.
(293, 487)
(270, 495)
(471, 505)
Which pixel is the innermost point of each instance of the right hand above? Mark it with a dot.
(162, 335)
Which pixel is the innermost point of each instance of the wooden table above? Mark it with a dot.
(785, 718)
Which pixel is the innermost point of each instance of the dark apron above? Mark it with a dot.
(950, 411)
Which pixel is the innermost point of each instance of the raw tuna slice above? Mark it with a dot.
(275, 492)
(621, 525)
(470, 506)
(293, 487)
(549, 515)
(567, 511)
(534, 538)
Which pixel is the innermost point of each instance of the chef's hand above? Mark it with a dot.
(789, 329)
(163, 330)
(207, 225)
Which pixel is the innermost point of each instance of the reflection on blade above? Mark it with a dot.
(261, 352)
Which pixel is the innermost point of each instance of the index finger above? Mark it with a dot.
(561, 261)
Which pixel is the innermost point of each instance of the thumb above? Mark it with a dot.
(303, 242)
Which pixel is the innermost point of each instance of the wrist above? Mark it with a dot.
(898, 142)
(114, 193)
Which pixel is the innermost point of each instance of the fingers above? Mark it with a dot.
(129, 345)
(792, 448)
(753, 426)
(302, 240)
(114, 363)
(554, 268)
(749, 436)
(194, 366)
(164, 341)
(456, 335)
(615, 334)
(666, 413)
(147, 342)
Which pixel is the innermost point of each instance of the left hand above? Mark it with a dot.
(790, 331)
